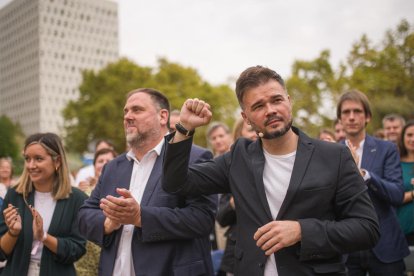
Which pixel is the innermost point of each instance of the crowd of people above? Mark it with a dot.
(276, 201)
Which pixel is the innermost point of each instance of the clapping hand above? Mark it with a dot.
(13, 220)
(121, 210)
(38, 231)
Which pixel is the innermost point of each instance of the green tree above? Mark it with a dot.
(384, 72)
(313, 84)
(98, 111)
(8, 138)
(179, 83)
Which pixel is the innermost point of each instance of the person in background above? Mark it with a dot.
(301, 203)
(89, 171)
(6, 176)
(338, 131)
(141, 229)
(379, 133)
(392, 125)
(378, 162)
(89, 263)
(406, 211)
(242, 129)
(38, 223)
(6, 181)
(101, 157)
(174, 119)
(219, 138)
(226, 214)
(326, 135)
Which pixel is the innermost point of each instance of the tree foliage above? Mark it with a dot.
(311, 84)
(384, 72)
(8, 138)
(98, 112)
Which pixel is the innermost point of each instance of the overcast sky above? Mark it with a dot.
(220, 38)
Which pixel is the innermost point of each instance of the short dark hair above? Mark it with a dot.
(253, 77)
(102, 152)
(335, 122)
(106, 141)
(216, 125)
(355, 96)
(393, 117)
(155, 95)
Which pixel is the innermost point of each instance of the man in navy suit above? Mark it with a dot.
(379, 164)
(300, 202)
(142, 229)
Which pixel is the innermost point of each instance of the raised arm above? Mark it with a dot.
(194, 113)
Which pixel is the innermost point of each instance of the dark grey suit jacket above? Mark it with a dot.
(174, 238)
(326, 195)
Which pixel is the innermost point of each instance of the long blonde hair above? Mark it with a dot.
(53, 146)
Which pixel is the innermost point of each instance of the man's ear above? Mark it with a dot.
(163, 113)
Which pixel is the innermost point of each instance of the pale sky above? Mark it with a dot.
(220, 38)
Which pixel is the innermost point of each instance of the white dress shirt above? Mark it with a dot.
(141, 171)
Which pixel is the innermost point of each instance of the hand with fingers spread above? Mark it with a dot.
(38, 231)
(13, 220)
(121, 210)
(195, 113)
(276, 235)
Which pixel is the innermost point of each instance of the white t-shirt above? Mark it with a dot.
(276, 178)
(45, 205)
(84, 173)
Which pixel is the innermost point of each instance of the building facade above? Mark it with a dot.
(44, 47)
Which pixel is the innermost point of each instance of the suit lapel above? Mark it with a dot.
(258, 162)
(303, 156)
(57, 216)
(28, 218)
(153, 179)
(369, 152)
(125, 172)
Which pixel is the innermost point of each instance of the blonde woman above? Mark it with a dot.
(38, 224)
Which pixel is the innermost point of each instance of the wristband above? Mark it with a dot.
(44, 236)
(181, 129)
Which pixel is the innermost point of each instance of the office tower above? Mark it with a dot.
(44, 46)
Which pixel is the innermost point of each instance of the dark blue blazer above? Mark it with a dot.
(326, 195)
(381, 159)
(173, 239)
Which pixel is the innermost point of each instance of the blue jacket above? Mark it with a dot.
(174, 237)
(385, 187)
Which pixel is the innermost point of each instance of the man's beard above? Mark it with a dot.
(134, 140)
(277, 133)
(137, 139)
